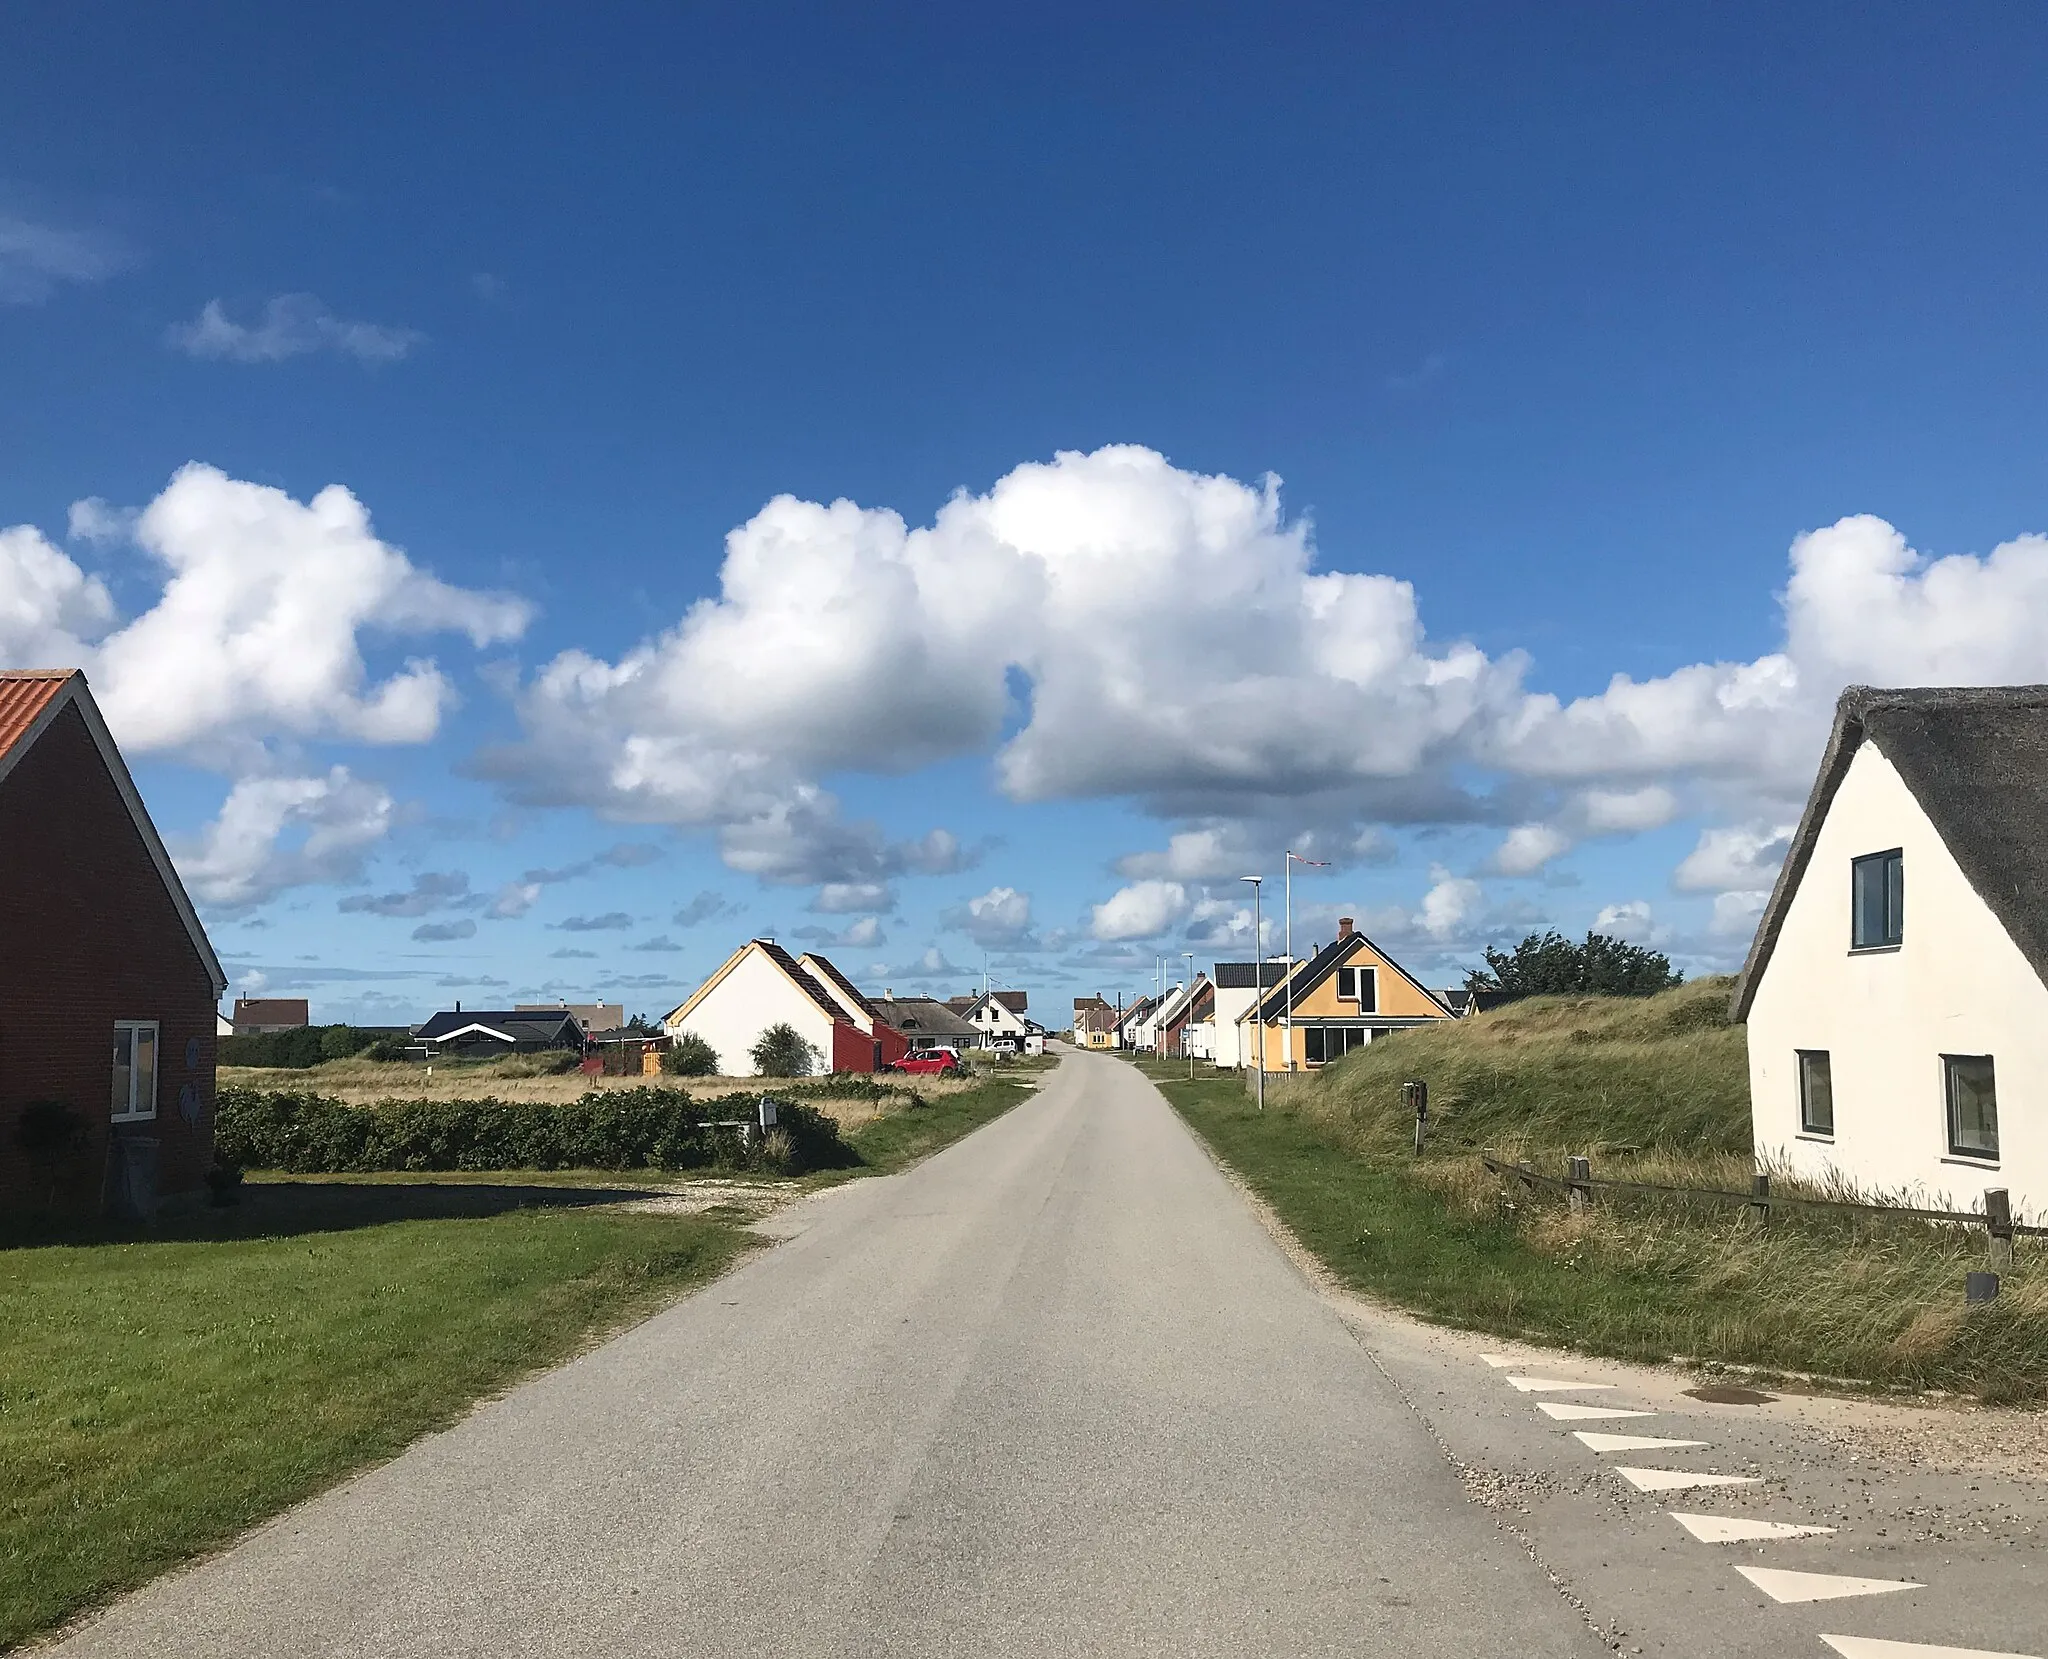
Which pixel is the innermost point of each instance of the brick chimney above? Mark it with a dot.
(1343, 927)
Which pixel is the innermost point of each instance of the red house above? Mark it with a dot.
(108, 987)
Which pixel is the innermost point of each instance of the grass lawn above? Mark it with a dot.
(900, 1138)
(1874, 1299)
(158, 1396)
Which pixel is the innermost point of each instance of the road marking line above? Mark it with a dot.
(1870, 1647)
(1543, 1385)
(1732, 1529)
(1782, 1585)
(1500, 1362)
(1565, 1411)
(1677, 1480)
(1627, 1442)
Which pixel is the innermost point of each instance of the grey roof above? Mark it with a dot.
(923, 1017)
(1246, 976)
(830, 969)
(1324, 963)
(1976, 760)
(515, 1025)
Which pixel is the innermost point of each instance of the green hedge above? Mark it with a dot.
(306, 1047)
(308, 1134)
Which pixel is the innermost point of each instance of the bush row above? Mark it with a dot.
(310, 1044)
(308, 1134)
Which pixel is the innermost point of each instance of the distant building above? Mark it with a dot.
(1237, 987)
(485, 1034)
(997, 1017)
(760, 986)
(925, 1022)
(1343, 997)
(1094, 1023)
(592, 1017)
(260, 1016)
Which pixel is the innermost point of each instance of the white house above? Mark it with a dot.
(999, 1017)
(761, 985)
(1237, 988)
(1895, 996)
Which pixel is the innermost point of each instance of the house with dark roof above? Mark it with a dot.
(925, 1022)
(761, 985)
(1186, 1026)
(997, 1017)
(1094, 1023)
(262, 1016)
(1134, 1025)
(1238, 985)
(109, 990)
(484, 1034)
(1345, 995)
(1896, 993)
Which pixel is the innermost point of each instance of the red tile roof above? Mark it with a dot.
(23, 697)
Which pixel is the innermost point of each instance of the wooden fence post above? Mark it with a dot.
(1760, 1199)
(1998, 1222)
(1578, 1181)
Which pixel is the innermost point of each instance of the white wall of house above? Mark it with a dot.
(754, 996)
(996, 1019)
(1232, 1005)
(1956, 985)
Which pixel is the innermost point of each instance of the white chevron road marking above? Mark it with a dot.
(1629, 1442)
(1546, 1385)
(1565, 1411)
(1781, 1585)
(1677, 1480)
(1734, 1529)
(1870, 1647)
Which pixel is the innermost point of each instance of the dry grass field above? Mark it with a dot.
(360, 1082)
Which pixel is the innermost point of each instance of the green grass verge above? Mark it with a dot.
(159, 1397)
(1870, 1299)
(898, 1139)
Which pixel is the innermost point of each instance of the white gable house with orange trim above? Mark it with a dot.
(761, 985)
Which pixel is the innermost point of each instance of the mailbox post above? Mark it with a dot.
(1416, 1096)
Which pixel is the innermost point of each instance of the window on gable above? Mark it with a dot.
(134, 1093)
(1877, 900)
(1359, 985)
(1969, 1082)
(1816, 1092)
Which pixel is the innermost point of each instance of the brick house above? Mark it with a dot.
(108, 988)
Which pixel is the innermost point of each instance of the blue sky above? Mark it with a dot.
(1574, 320)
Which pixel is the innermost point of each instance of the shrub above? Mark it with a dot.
(304, 1133)
(309, 1045)
(781, 1051)
(1548, 964)
(690, 1056)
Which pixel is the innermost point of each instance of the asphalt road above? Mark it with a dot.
(1053, 1392)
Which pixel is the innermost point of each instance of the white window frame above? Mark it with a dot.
(145, 1113)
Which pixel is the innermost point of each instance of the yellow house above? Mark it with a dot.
(1341, 998)
(1094, 1023)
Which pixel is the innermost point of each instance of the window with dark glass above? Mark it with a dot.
(134, 1093)
(1816, 1092)
(1359, 985)
(1877, 900)
(1972, 1090)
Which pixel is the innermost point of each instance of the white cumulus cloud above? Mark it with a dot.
(273, 833)
(1142, 910)
(1528, 848)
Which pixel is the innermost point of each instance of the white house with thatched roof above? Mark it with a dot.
(1897, 991)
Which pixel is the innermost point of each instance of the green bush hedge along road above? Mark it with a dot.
(162, 1391)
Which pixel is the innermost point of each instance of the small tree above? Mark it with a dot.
(690, 1056)
(338, 1042)
(781, 1051)
(1548, 964)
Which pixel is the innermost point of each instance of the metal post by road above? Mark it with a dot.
(1259, 980)
(1187, 1017)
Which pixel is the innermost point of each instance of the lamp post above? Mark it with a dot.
(1259, 979)
(1293, 858)
(1187, 1015)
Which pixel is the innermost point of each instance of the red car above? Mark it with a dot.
(932, 1062)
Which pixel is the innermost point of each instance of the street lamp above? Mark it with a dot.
(1187, 1015)
(1294, 858)
(1259, 980)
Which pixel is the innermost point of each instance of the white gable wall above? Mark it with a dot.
(1956, 985)
(754, 996)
